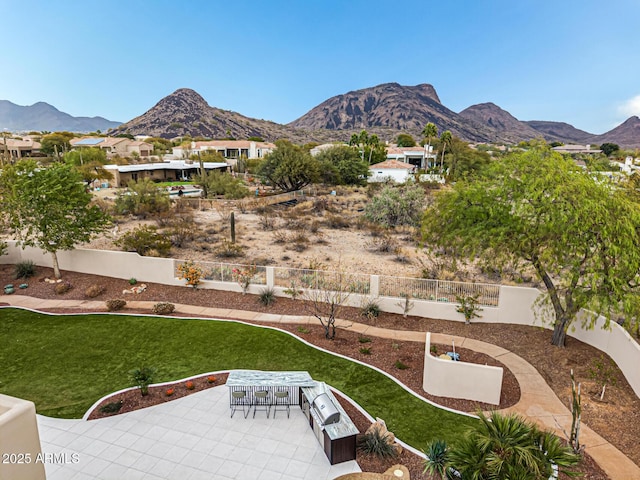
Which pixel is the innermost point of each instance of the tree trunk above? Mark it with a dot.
(559, 332)
(56, 267)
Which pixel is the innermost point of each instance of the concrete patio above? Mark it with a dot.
(189, 438)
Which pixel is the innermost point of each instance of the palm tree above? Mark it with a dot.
(445, 139)
(429, 131)
(508, 447)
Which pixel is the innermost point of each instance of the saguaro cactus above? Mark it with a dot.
(233, 227)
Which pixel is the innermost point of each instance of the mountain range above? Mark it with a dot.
(44, 117)
(386, 110)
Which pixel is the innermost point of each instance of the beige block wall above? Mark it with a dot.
(20, 451)
(445, 378)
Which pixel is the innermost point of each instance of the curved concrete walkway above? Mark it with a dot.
(537, 401)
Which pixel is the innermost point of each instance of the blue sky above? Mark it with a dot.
(564, 60)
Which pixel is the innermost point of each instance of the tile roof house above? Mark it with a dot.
(19, 148)
(114, 146)
(394, 170)
(229, 149)
(417, 156)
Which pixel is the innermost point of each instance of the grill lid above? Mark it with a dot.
(325, 409)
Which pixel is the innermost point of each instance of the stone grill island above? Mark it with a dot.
(246, 392)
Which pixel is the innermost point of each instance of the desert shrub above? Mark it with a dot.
(401, 365)
(314, 227)
(62, 288)
(132, 281)
(25, 269)
(111, 407)
(163, 308)
(267, 219)
(336, 221)
(142, 199)
(376, 443)
(363, 339)
(115, 304)
(371, 309)
(227, 249)
(365, 350)
(280, 236)
(302, 329)
(384, 243)
(144, 240)
(267, 296)
(94, 290)
(224, 184)
(397, 205)
(182, 231)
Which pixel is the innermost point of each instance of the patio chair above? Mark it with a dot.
(261, 400)
(239, 399)
(281, 399)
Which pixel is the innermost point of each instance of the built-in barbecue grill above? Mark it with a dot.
(326, 411)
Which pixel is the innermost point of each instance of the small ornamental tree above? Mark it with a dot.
(49, 208)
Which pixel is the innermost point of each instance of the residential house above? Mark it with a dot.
(160, 171)
(19, 148)
(418, 156)
(575, 149)
(229, 149)
(113, 146)
(391, 170)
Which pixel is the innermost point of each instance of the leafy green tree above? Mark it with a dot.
(508, 447)
(609, 148)
(429, 132)
(289, 167)
(49, 208)
(539, 210)
(396, 205)
(342, 165)
(464, 160)
(89, 162)
(222, 183)
(405, 140)
(142, 199)
(56, 143)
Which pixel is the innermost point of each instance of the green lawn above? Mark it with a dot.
(65, 363)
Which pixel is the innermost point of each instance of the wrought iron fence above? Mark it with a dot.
(300, 278)
(438, 290)
(227, 272)
(358, 283)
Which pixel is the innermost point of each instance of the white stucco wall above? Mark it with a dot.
(470, 381)
(20, 451)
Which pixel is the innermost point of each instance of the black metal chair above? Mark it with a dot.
(281, 399)
(261, 400)
(239, 399)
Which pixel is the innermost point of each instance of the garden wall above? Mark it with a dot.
(515, 305)
(469, 381)
(19, 440)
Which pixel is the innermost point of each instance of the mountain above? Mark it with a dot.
(508, 127)
(627, 135)
(185, 112)
(44, 117)
(560, 132)
(389, 109)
